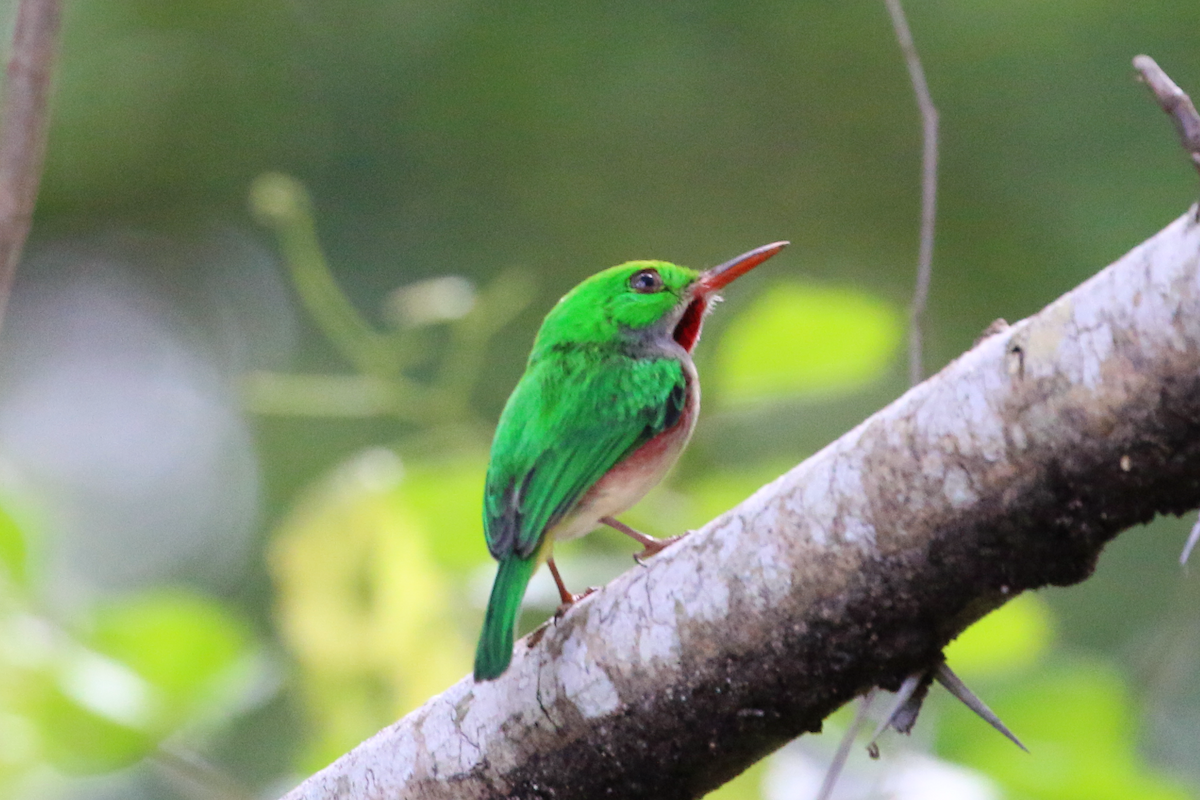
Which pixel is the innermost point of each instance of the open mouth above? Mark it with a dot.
(687, 330)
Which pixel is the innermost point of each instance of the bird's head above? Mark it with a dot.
(644, 296)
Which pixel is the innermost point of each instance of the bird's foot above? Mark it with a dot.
(575, 598)
(650, 545)
(656, 546)
(536, 635)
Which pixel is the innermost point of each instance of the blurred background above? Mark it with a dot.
(288, 259)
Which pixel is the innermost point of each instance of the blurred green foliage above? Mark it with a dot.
(368, 612)
(95, 692)
(14, 552)
(468, 163)
(1073, 712)
(800, 340)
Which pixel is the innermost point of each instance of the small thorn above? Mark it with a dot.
(907, 690)
(1192, 539)
(956, 687)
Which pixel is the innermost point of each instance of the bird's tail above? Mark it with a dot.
(496, 642)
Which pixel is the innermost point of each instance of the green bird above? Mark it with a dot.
(607, 403)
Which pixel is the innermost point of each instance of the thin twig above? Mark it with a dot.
(1175, 102)
(1192, 539)
(929, 166)
(843, 752)
(282, 203)
(23, 129)
(202, 778)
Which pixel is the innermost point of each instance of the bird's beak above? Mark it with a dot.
(714, 279)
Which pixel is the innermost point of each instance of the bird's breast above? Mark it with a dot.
(643, 469)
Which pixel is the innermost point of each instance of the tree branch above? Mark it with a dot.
(23, 129)
(1008, 470)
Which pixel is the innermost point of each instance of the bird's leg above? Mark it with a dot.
(650, 545)
(568, 599)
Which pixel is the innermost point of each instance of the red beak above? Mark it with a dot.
(713, 279)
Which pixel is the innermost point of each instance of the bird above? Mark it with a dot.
(606, 405)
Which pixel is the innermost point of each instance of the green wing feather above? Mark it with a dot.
(570, 420)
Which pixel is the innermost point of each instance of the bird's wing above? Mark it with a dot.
(568, 422)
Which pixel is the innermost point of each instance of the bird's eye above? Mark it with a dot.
(646, 281)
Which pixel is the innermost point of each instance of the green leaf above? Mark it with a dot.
(183, 644)
(79, 740)
(88, 712)
(803, 339)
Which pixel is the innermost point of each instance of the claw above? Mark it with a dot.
(656, 546)
(565, 606)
